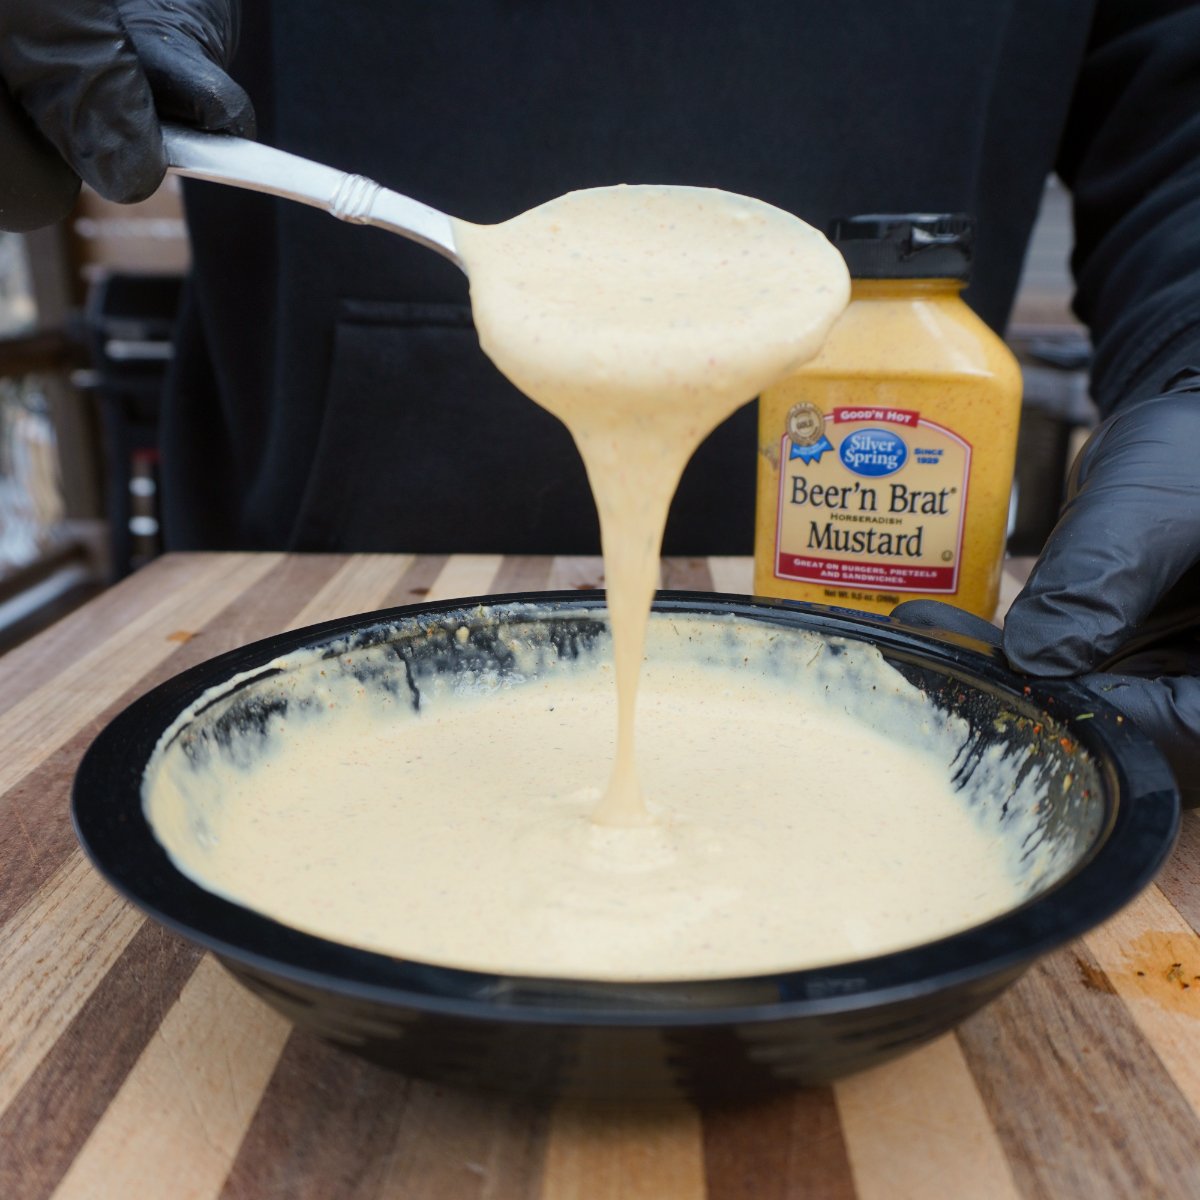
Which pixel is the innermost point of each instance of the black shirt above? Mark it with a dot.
(329, 392)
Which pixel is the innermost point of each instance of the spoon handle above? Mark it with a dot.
(219, 158)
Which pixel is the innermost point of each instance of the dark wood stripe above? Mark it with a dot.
(51, 1117)
(1180, 881)
(330, 1124)
(413, 586)
(787, 1147)
(325, 1126)
(35, 823)
(686, 575)
(1081, 1103)
(523, 573)
(27, 667)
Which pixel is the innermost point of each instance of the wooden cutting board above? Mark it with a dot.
(132, 1067)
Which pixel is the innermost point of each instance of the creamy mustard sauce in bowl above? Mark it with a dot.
(804, 809)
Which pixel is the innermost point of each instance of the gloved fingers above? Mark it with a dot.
(1126, 535)
(934, 615)
(1176, 651)
(185, 49)
(37, 188)
(189, 88)
(72, 67)
(119, 152)
(1167, 710)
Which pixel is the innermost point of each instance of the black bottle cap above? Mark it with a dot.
(906, 245)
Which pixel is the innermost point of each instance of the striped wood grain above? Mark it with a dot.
(918, 1127)
(130, 1065)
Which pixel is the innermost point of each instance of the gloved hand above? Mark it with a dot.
(1115, 595)
(80, 83)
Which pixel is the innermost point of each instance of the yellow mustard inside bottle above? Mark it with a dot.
(885, 464)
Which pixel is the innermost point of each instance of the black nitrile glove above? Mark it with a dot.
(83, 84)
(1115, 595)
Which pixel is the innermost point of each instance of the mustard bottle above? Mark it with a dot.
(885, 464)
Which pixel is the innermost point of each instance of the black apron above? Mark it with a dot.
(329, 392)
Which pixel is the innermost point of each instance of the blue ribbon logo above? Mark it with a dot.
(811, 453)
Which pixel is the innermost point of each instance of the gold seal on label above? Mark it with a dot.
(805, 424)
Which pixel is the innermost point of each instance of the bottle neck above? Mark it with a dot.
(904, 289)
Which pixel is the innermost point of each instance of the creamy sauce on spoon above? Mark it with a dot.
(642, 317)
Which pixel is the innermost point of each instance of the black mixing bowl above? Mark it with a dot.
(1110, 808)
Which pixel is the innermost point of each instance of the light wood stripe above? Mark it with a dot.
(917, 1127)
(523, 573)
(28, 666)
(362, 584)
(732, 575)
(465, 575)
(174, 1127)
(1152, 959)
(49, 715)
(610, 1153)
(55, 951)
(578, 572)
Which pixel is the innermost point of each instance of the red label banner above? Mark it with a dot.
(882, 577)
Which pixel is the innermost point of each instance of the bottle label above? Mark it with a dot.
(871, 497)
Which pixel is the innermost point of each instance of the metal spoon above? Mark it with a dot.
(237, 162)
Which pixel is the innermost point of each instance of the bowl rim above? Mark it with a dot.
(1142, 823)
